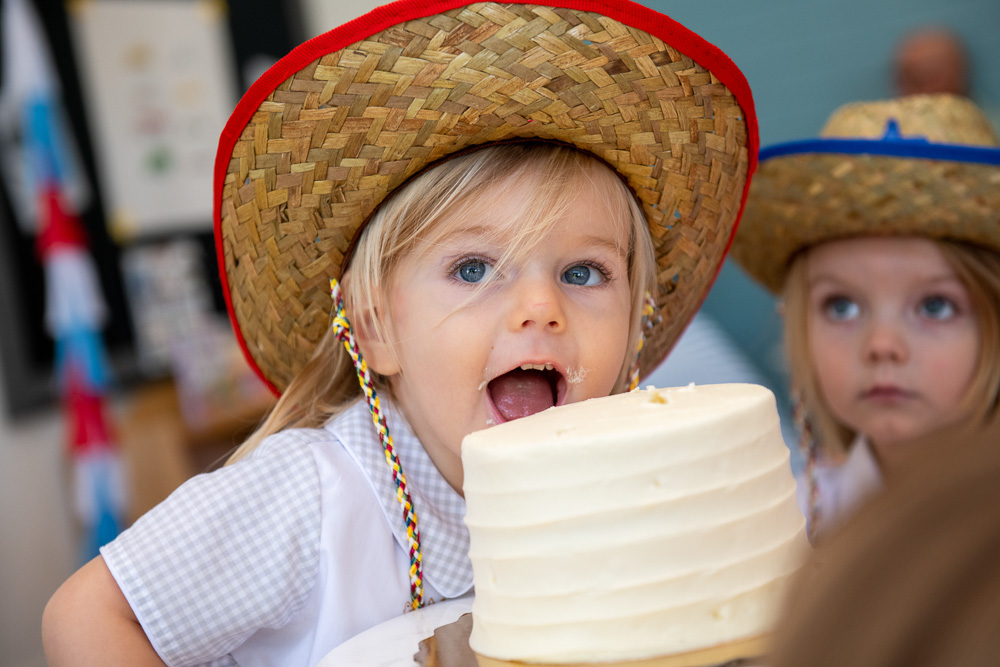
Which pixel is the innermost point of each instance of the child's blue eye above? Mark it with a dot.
(473, 270)
(937, 308)
(841, 308)
(581, 274)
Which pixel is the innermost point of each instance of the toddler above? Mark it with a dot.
(507, 202)
(882, 239)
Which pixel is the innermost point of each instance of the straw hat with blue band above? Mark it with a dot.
(334, 127)
(926, 165)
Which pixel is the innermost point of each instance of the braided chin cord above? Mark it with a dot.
(342, 329)
(648, 322)
(810, 451)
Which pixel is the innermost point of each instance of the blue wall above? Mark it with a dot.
(803, 59)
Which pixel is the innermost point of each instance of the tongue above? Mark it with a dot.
(521, 393)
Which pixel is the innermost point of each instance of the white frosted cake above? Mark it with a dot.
(654, 523)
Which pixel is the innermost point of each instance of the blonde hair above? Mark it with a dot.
(979, 270)
(427, 209)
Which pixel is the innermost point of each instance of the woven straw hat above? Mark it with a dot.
(926, 165)
(331, 129)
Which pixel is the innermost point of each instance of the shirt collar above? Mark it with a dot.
(440, 510)
(861, 472)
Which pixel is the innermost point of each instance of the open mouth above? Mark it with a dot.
(526, 390)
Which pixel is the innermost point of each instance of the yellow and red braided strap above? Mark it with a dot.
(648, 321)
(809, 447)
(342, 329)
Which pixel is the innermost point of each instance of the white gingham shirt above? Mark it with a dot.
(281, 557)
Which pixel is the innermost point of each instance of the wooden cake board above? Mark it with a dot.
(750, 649)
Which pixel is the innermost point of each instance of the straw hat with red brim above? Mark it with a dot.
(346, 118)
(925, 165)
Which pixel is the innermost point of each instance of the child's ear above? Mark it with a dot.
(377, 352)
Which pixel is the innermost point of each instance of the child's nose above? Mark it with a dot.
(885, 342)
(538, 304)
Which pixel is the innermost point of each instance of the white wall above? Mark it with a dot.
(36, 532)
(322, 15)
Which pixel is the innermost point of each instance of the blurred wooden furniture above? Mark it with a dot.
(161, 450)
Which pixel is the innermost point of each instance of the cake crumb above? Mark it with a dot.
(657, 397)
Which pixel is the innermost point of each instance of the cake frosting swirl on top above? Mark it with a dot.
(652, 523)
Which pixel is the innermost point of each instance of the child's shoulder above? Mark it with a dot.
(314, 449)
(294, 442)
(325, 451)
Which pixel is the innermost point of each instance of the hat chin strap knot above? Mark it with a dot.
(893, 133)
(342, 330)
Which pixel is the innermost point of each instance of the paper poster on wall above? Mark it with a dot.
(159, 84)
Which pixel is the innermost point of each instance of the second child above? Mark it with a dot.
(882, 238)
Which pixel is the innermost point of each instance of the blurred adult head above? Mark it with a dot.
(931, 60)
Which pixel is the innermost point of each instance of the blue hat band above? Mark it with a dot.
(903, 148)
